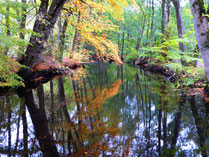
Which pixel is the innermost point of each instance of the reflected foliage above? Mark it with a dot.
(112, 111)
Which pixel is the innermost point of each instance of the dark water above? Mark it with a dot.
(108, 111)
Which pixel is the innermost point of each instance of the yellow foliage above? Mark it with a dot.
(93, 24)
(80, 56)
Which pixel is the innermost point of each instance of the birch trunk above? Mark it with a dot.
(201, 31)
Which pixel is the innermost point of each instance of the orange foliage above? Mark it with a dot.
(101, 96)
(90, 134)
(95, 134)
(94, 25)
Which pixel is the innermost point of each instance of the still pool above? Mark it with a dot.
(105, 110)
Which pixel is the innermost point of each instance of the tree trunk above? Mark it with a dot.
(148, 11)
(163, 19)
(122, 47)
(168, 19)
(62, 40)
(22, 25)
(139, 38)
(8, 28)
(201, 31)
(76, 35)
(152, 24)
(179, 23)
(44, 24)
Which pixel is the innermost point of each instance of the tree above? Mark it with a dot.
(179, 22)
(10, 41)
(201, 30)
(152, 24)
(44, 24)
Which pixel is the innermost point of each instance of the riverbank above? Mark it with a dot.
(187, 82)
(42, 72)
(49, 68)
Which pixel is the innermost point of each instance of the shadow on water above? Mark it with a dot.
(112, 111)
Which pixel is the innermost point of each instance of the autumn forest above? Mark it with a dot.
(104, 78)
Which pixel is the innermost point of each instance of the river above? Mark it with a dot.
(105, 110)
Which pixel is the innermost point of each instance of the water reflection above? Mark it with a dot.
(113, 111)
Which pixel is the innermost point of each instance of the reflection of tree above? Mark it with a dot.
(25, 130)
(87, 132)
(12, 112)
(94, 133)
(9, 125)
(71, 119)
(138, 117)
(159, 130)
(162, 111)
(164, 103)
(104, 94)
(177, 124)
(52, 101)
(40, 124)
(18, 128)
(201, 126)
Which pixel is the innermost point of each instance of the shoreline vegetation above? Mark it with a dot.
(47, 69)
(196, 86)
(44, 71)
(49, 38)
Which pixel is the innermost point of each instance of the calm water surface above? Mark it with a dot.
(108, 111)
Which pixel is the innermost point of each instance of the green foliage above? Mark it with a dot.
(165, 48)
(132, 57)
(8, 76)
(194, 74)
(10, 42)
